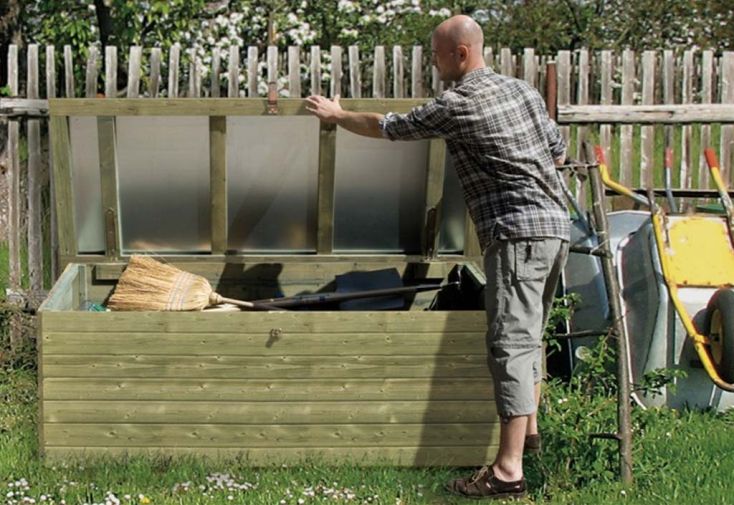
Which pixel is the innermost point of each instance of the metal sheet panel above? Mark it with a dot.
(379, 194)
(163, 171)
(86, 185)
(272, 173)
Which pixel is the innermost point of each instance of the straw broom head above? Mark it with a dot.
(148, 284)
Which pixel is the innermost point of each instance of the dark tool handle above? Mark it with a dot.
(324, 298)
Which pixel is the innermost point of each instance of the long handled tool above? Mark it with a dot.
(148, 284)
(326, 298)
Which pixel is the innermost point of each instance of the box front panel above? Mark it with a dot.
(390, 387)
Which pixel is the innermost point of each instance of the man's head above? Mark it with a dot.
(456, 47)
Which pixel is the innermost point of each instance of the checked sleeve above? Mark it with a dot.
(431, 120)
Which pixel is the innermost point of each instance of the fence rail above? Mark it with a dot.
(693, 88)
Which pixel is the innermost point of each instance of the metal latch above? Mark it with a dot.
(273, 98)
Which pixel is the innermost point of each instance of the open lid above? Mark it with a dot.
(245, 177)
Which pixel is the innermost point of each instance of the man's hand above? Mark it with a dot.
(326, 110)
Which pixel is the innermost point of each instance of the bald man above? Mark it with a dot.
(504, 148)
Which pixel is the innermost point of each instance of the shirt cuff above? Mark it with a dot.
(384, 123)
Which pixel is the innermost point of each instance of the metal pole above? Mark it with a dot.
(624, 425)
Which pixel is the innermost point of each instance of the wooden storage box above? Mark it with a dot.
(407, 387)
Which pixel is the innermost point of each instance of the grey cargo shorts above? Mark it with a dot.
(522, 275)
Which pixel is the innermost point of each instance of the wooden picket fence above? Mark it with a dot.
(583, 78)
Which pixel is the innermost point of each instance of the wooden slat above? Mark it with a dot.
(233, 72)
(605, 131)
(215, 84)
(472, 247)
(273, 435)
(336, 71)
(194, 89)
(110, 65)
(34, 178)
(398, 72)
(61, 148)
(90, 87)
(218, 182)
(434, 196)
(707, 71)
(315, 412)
(108, 180)
(686, 165)
(564, 87)
(488, 55)
(274, 456)
(252, 71)
(416, 73)
(378, 73)
(13, 178)
(506, 64)
(383, 389)
(54, 235)
(207, 107)
(437, 85)
(582, 98)
(625, 144)
(299, 271)
(530, 68)
(272, 64)
(294, 71)
(146, 335)
(173, 61)
(327, 169)
(264, 367)
(668, 90)
(315, 70)
(133, 72)
(647, 114)
(355, 73)
(68, 73)
(727, 131)
(154, 82)
(647, 133)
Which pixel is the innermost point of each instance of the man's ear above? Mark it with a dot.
(463, 52)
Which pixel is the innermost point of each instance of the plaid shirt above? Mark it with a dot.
(503, 145)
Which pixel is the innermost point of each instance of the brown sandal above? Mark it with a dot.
(484, 485)
(532, 444)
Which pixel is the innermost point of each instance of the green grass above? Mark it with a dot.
(679, 458)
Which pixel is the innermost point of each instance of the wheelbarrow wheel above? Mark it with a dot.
(718, 326)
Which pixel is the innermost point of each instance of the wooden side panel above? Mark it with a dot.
(400, 388)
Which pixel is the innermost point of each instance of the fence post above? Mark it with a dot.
(686, 167)
(378, 73)
(13, 178)
(54, 237)
(336, 71)
(625, 144)
(35, 234)
(416, 72)
(110, 72)
(727, 96)
(90, 84)
(294, 72)
(707, 72)
(214, 84)
(605, 130)
(315, 70)
(173, 59)
(355, 75)
(68, 73)
(133, 72)
(155, 72)
(252, 71)
(398, 72)
(647, 133)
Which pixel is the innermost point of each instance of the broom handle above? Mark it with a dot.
(217, 299)
(322, 298)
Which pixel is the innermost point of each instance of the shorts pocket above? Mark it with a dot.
(534, 259)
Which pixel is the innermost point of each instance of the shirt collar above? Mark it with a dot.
(474, 74)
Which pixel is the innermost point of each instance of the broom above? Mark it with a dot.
(148, 284)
